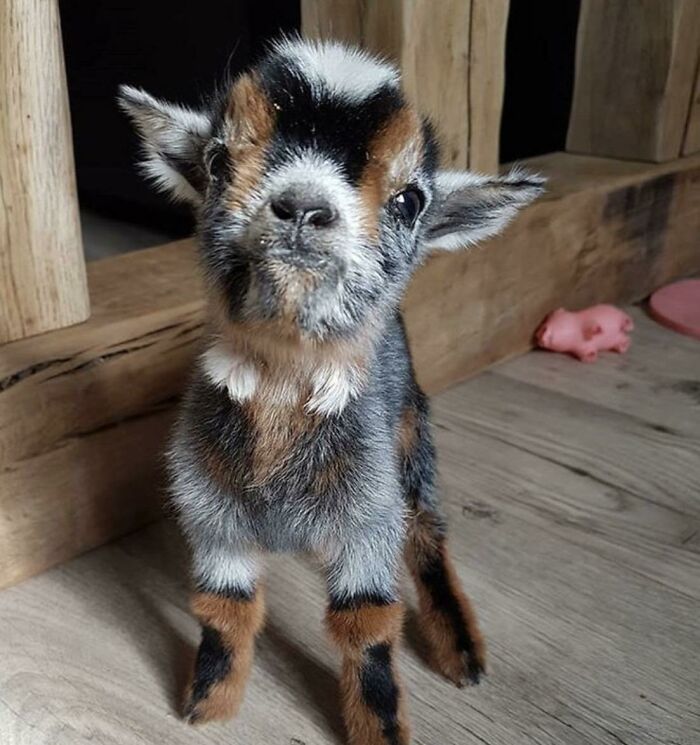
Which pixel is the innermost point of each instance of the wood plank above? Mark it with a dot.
(452, 57)
(635, 70)
(487, 55)
(607, 231)
(606, 494)
(588, 601)
(42, 268)
(663, 389)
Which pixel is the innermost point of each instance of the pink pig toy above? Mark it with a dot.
(586, 332)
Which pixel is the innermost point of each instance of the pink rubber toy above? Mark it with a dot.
(586, 332)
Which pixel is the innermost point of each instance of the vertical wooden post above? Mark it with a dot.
(452, 55)
(635, 70)
(42, 268)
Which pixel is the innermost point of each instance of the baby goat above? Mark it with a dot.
(303, 429)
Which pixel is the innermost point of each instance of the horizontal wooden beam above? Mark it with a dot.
(84, 411)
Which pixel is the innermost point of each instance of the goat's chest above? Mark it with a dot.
(280, 439)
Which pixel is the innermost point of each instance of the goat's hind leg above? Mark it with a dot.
(446, 616)
(230, 608)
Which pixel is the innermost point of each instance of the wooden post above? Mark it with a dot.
(42, 268)
(452, 57)
(635, 69)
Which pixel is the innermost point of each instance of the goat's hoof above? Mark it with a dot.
(464, 667)
(216, 706)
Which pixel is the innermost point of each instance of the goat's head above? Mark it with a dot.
(316, 187)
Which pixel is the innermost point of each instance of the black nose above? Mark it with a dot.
(303, 209)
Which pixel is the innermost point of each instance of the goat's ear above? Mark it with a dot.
(173, 139)
(468, 207)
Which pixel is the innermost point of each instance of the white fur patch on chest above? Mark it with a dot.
(226, 369)
(332, 384)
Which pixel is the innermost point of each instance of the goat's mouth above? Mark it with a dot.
(301, 258)
(301, 253)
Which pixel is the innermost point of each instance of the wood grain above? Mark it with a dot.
(691, 142)
(587, 590)
(77, 400)
(452, 58)
(635, 71)
(42, 269)
(487, 54)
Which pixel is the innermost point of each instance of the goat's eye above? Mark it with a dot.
(409, 204)
(218, 162)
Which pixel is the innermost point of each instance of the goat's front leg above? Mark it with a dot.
(364, 620)
(230, 608)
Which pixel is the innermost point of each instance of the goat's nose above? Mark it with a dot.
(303, 209)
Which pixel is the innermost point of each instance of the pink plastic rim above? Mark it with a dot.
(678, 306)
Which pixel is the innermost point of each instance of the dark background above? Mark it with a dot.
(178, 53)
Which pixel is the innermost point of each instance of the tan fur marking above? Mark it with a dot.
(408, 431)
(219, 469)
(422, 541)
(252, 122)
(238, 622)
(437, 627)
(354, 630)
(277, 431)
(393, 155)
(330, 475)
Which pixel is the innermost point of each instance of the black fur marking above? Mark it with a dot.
(434, 577)
(431, 147)
(213, 665)
(463, 217)
(191, 170)
(379, 690)
(235, 282)
(330, 125)
(230, 593)
(362, 600)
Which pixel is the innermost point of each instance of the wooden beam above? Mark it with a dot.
(635, 71)
(84, 411)
(452, 57)
(42, 268)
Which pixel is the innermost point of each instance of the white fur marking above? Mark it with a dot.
(219, 568)
(167, 130)
(337, 69)
(226, 369)
(333, 387)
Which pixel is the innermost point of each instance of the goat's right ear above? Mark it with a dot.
(173, 139)
(468, 207)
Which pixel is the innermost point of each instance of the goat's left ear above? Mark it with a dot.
(173, 139)
(468, 207)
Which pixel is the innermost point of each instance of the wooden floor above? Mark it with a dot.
(574, 498)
